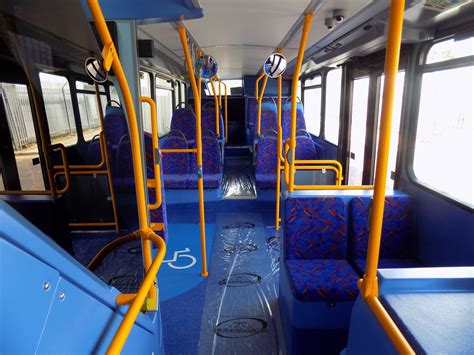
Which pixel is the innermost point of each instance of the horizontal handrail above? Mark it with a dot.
(118, 341)
(183, 150)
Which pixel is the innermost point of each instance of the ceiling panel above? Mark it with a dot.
(240, 34)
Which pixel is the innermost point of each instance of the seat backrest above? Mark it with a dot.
(208, 121)
(315, 228)
(269, 118)
(397, 228)
(115, 124)
(266, 159)
(93, 151)
(252, 109)
(211, 157)
(286, 119)
(174, 163)
(305, 149)
(123, 162)
(184, 120)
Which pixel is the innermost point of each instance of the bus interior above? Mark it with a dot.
(237, 177)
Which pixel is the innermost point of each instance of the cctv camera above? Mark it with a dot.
(329, 23)
(339, 15)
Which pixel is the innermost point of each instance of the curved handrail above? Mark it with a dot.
(118, 341)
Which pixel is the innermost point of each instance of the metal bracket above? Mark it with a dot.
(289, 156)
(200, 175)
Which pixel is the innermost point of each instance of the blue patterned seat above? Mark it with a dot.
(266, 163)
(305, 148)
(93, 151)
(397, 233)
(252, 109)
(330, 281)
(269, 118)
(184, 120)
(212, 165)
(175, 166)
(286, 119)
(208, 123)
(318, 285)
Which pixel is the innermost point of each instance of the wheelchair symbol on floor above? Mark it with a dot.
(181, 254)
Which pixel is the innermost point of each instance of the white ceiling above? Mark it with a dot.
(241, 34)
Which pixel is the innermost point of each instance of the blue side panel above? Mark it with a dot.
(53, 304)
(148, 11)
(17, 299)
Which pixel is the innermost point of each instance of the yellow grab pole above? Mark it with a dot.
(279, 149)
(370, 285)
(256, 84)
(216, 104)
(225, 107)
(197, 105)
(156, 147)
(294, 88)
(133, 310)
(111, 60)
(260, 98)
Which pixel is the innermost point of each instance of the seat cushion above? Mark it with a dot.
(175, 181)
(211, 181)
(359, 264)
(266, 181)
(322, 280)
(315, 228)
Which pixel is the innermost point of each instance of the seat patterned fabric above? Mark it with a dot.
(252, 107)
(397, 228)
(184, 120)
(115, 125)
(212, 165)
(386, 264)
(175, 166)
(266, 163)
(208, 122)
(269, 118)
(315, 228)
(122, 171)
(93, 152)
(322, 280)
(286, 119)
(305, 149)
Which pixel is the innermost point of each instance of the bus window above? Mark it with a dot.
(450, 49)
(145, 90)
(88, 108)
(59, 112)
(312, 110)
(358, 130)
(333, 105)
(17, 109)
(395, 132)
(164, 105)
(443, 147)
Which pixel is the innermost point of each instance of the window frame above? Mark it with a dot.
(422, 68)
(309, 87)
(341, 112)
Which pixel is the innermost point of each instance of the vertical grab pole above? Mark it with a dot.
(216, 104)
(111, 60)
(369, 284)
(225, 106)
(260, 98)
(197, 106)
(294, 88)
(103, 145)
(278, 152)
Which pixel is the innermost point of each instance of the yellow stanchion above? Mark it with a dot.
(197, 104)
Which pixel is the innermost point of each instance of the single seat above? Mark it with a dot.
(208, 123)
(93, 155)
(184, 120)
(252, 109)
(286, 119)
(269, 118)
(397, 233)
(266, 162)
(317, 281)
(305, 148)
(175, 166)
(212, 165)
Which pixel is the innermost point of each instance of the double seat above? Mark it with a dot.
(325, 242)
(266, 161)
